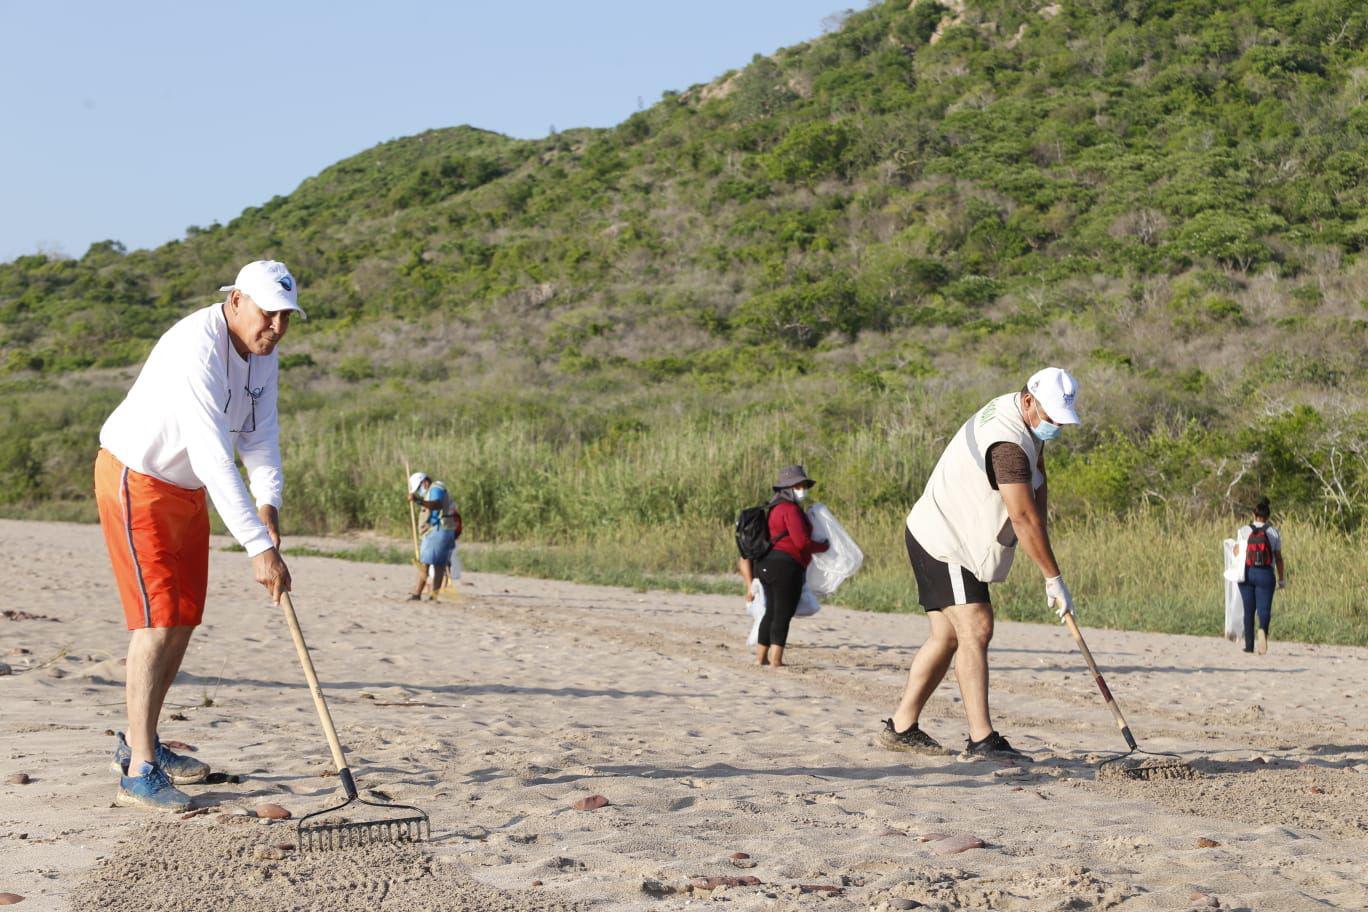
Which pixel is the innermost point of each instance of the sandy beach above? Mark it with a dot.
(497, 711)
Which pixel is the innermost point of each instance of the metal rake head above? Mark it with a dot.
(343, 833)
(1132, 764)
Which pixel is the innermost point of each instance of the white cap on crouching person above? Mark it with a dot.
(1055, 388)
(416, 480)
(270, 286)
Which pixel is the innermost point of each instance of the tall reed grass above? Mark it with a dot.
(654, 506)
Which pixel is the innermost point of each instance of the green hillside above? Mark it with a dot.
(833, 254)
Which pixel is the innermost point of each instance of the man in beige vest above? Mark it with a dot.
(986, 495)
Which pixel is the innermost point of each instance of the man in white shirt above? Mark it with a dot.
(986, 494)
(208, 388)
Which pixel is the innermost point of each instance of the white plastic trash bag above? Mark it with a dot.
(1232, 576)
(807, 607)
(838, 563)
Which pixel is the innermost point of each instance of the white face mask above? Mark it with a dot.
(800, 494)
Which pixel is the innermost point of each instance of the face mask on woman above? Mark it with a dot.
(799, 494)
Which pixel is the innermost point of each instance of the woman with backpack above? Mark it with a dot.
(1261, 546)
(784, 568)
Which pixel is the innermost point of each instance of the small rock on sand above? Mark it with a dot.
(931, 837)
(901, 902)
(19, 779)
(956, 844)
(4, 670)
(272, 812)
(9, 899)
(1205, 843)
(737, 856)
(1204, 899)
(268, 853)
(656, 888)
(824, 889)
(592, 803)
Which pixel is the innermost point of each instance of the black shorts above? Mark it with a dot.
(940, 585)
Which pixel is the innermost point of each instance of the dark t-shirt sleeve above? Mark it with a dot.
(1008, 464)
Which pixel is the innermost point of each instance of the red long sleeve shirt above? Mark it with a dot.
(798, 543)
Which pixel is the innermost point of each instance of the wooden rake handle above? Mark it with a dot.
(413, 515)
(324, 716)
(1101, 684)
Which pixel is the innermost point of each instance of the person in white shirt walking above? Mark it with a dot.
(208, 387)
(986, 494)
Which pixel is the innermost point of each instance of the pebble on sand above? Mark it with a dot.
(956, 844)
(737, 856)
(272, 812)
(1204, 899)
(5, 669)
(592, 803)
(19, 779)
(1205, 843)
(9, 899)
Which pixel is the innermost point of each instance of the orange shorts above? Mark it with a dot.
(158, 539)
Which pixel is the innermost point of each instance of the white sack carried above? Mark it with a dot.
(838, 563)
(807, 607)
(1231, 577)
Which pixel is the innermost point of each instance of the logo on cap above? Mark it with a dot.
(286, 283)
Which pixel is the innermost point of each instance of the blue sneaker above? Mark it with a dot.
(152, 789)
(179, 769)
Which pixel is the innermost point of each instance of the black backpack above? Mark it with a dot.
(752, 533)
(1258, 547)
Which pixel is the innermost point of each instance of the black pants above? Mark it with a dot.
(782, 579)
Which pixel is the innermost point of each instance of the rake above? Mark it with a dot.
(341, 833)
(1164, 766)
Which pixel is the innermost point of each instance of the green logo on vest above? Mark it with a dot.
(988, 412)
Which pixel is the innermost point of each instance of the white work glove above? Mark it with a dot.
(1057, 597)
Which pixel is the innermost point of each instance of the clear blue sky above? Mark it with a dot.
(133, 120)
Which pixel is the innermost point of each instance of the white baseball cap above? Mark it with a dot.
(270, 286)
(1055, 388)
(416, 480)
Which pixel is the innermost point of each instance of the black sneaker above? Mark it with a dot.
(914, 739)
(994, 746)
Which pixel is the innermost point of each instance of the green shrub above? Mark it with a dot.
(810, 151)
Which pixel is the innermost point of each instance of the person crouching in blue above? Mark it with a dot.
(443, 528)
